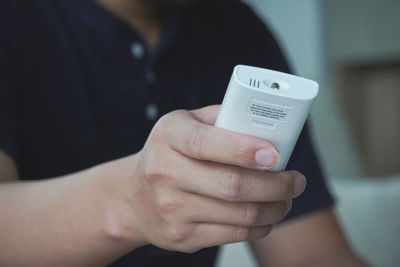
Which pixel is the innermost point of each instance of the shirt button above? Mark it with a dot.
(137, 50)
(151, 77)
(151, 112)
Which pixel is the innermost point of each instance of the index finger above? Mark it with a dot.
(198, 139)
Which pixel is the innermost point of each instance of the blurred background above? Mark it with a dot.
(352, 48)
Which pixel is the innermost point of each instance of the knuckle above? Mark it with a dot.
(153, 169)
(154, 178)
(196, 139)
(250, 214)
(171, 116)
(177, 235)
(168, 204)
(241, 233)
(233, 184)
(162, 129)
(243, 150)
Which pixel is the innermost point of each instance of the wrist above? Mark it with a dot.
(116, 182)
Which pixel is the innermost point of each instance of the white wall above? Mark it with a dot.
(362, 30)
(318, 35)
(357, 31)
(298, 26)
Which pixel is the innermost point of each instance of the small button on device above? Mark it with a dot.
(151, 112)
(137, 50)
(275, 86)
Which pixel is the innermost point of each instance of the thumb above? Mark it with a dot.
(207, 115)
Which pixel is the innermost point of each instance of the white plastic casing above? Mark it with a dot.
(267, 104)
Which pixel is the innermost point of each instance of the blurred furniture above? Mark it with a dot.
(368, 210)
(370, 98)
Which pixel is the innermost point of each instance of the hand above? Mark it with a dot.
(198, 186)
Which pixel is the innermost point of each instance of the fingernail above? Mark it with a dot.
(299, 185)
(267, 157)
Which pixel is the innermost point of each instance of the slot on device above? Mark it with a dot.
(263, 124)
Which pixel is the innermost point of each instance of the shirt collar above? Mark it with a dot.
(98, 19)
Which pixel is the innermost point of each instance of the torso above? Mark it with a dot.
(88, 89)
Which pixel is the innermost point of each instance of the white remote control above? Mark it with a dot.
(267, 104)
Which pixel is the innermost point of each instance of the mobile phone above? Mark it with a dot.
(268, 104)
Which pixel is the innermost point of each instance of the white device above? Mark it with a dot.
(267, 104)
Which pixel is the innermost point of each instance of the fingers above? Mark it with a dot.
(235, 184)
(195, 139)
(216, 234)
(199, 193)
(202, 235)
(203, 209)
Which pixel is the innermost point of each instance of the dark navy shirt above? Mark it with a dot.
(78, 88)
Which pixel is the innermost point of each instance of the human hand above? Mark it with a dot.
(198, 186)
